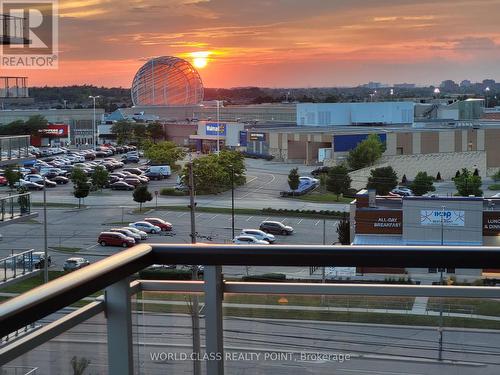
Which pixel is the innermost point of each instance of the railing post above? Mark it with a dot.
(119, 325)
(213, 319)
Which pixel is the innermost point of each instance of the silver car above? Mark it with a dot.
(144, 235)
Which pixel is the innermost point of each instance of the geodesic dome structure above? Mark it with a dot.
(167, 80)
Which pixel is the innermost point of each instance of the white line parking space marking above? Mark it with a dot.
(213, 217)
(181, 215)
(249, 218)
(260, 187)
(90, 247)
(199, 215)
(300, 221)
(316, 223)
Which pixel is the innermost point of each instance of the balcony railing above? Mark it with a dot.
(15, 147)
(16, 265)
(154, 326)
(15, 206)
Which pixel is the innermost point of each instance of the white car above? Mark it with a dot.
(311, 180)
(259, 234)
(141, 233)
(248, 240)
(497, 195)
(145, 227)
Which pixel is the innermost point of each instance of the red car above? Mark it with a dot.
(3, 181)
(115, 239)
(164, 225)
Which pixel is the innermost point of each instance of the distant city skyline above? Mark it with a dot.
(314, 43)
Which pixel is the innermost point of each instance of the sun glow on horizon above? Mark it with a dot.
(200, 59)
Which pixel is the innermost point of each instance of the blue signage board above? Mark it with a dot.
(243, 138)
(211, 128)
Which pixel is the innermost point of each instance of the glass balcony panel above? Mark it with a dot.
(83, 347)
(163, 333)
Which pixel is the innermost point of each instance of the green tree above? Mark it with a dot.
(383, 180)
(212, 173)
(366, 153)
(344, 231)
(11, 176)
(123, 131)
(141, 195)
(78, 177)
(338, 181)
(496, 176)
(24, 200)
(468, 184)
(422, 184)
(81, 191)
(294, 179)
(79, 365)
(100, 177)
(140, 133)
(166, 152)
(155, 131)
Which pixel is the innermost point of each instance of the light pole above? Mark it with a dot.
(218, 126)
(45, 245)
(437, 91)
(94, 138)
(440, 329)
(486, 92)
(232, 201)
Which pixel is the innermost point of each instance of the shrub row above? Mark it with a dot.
(172, 192)
(283, 211)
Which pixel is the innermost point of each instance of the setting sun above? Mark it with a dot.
(200, 59)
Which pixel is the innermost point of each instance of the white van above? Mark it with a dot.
(164, 170)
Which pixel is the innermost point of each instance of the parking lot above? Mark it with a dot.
(74, 232)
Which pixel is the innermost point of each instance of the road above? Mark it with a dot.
(263, 346)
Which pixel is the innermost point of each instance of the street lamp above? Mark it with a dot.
(232, 200)
(93, 122)
(487, 91)
(218, 125)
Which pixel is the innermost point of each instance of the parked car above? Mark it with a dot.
(164, 225)
(121, 185)
(130, 159)
(497, 195)
(132, 181)
(39, 259)
(127, 232)
(135, 171)
(320, 170)
(141, 233)
(73, 264)
(60, 180)
(311, 180)
(402, 192)
(164, 170)
(154, 175)
(275, 227)
(29, 185)
(259, 234)
(146, 227)
(115, 239)
(248, 240)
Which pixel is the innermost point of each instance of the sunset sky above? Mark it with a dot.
(279, 43)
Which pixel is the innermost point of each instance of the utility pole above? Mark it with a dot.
(440, 329)
(323, 271)
(45, 245)
(195, 319)
(232, 201)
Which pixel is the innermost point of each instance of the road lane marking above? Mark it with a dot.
(91, 247)
(249, 218)
(260, 187)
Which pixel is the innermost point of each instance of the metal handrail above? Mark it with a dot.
(46, 299)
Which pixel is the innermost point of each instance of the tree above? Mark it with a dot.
(496, 176)
(100, 177)
(404, 180)
(155, 131)
(212, 173)
(422, 184)
(81, 191)
(11, 176)
(468, 184)
(476, 172)
(344, 231)
(338, 181)
(457, 174)
(383, 180)
(23, 200)
(78, 177)
(141, 195)
(140, 133)
(366, 153)
(166, 152)
(438, 176)
(123, 130)
(294, 179)
(79, 365)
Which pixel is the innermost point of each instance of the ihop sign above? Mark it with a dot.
(212, 128)
(442, 217)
